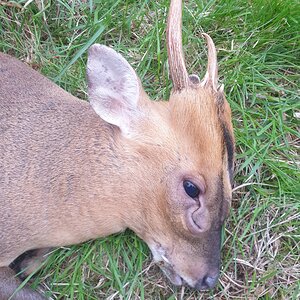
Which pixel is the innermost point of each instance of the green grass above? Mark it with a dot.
(259, 55)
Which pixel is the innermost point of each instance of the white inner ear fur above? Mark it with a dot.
(113, 87)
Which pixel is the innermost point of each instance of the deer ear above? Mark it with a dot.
(113, 87)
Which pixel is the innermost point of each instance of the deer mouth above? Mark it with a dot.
(160, 258)
(171, 274)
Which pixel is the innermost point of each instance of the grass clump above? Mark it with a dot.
(259, 54)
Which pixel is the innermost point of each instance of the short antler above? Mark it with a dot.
(211, 76)
(178, 71)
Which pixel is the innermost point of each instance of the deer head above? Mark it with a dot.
(187, 146)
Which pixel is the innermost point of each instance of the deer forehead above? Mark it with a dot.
(196, 117)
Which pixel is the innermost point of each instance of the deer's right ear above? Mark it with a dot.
(113, 87)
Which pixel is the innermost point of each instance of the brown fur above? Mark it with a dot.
(9, 286)
(66, 176)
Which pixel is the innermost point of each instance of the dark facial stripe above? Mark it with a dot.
(228, 141)
(220, 199)
(227, 138)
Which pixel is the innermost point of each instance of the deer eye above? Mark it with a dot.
(191, 189)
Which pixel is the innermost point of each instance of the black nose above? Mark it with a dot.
(207, 282)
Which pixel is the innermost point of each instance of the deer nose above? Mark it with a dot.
(207, 282)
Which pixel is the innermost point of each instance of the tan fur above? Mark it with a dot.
(66, 176)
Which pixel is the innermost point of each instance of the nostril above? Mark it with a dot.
(206, 283)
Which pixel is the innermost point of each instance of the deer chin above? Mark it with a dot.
(160, 258)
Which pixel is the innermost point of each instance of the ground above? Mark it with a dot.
(259, 53)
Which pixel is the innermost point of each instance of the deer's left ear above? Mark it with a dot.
(113, 87)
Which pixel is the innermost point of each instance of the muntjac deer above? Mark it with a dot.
(72, 171)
